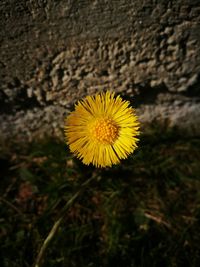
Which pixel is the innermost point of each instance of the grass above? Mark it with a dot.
(144, 212)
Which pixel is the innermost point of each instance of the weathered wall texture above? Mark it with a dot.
(54, 52)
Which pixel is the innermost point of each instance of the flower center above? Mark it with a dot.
(105, 131)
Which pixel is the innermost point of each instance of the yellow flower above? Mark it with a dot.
(102, 129)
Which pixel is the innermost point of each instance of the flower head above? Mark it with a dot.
(102, 129)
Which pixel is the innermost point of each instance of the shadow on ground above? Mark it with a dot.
(143, 212)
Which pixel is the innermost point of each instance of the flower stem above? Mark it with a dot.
(54, 229)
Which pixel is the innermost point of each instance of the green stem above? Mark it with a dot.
(54, 229)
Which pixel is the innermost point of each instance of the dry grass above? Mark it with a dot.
(143, 212)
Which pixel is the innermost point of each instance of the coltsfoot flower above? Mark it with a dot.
(102, 129)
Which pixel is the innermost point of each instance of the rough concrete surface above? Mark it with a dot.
(55, 52)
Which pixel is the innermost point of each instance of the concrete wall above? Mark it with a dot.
(55, 52)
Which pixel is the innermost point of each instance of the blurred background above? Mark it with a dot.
(143, 212)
